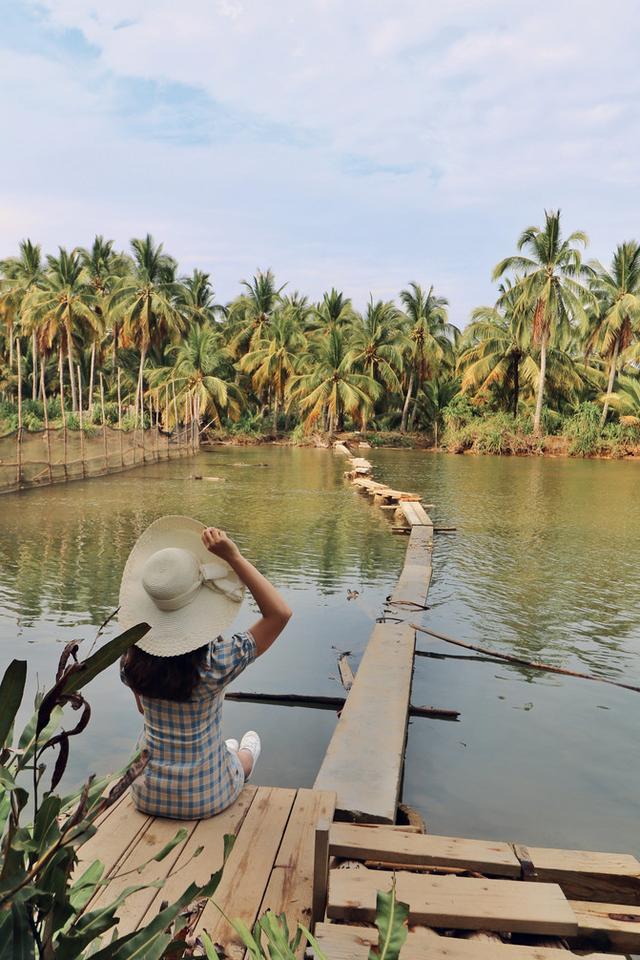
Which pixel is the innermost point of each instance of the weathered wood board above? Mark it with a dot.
(290, 887)
(346, 942)
(455, 902)
(365, 843)
(208, 834)
(413, 586)
(363, 762)
(616, 923)
(248, 868)
(588, 875)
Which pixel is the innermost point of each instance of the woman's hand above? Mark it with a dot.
(217, 542)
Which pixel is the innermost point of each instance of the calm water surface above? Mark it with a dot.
(543, 564)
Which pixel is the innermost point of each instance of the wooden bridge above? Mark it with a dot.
(320, 856)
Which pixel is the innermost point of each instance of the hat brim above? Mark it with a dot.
(173, 632)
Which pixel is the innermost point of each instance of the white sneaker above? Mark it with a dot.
(251, 742)
(232, 745)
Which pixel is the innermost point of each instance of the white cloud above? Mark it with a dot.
(469, 116)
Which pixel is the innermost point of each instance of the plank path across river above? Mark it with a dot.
(468, 899)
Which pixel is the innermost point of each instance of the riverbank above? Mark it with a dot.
(489, 442)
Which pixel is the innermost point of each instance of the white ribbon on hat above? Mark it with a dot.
(209, 576)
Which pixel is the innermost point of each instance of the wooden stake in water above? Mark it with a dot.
(120, 421)
(46, 423)
(104, 426)
(82, 457)
(19, 434)
(63, 413)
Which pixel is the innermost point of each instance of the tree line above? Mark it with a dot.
(563, 332)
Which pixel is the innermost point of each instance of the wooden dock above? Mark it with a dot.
(270, 866)
(365, 758)
(321, 856)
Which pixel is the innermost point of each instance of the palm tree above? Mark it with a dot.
(334, 310)
(251, 312)
(22, 274)
(495, 348)
(203, 372)
(196, 299)
(429, 338)
(331, 384)
(376, 344)
(103, 268)
(432, 400)
(274, 357)
(545, 285)
(615, 318)
(63, 306)
(145, 302)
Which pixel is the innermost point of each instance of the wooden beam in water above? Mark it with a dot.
(328, 703)
(364, 760)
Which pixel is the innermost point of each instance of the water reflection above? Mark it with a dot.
(544, 563)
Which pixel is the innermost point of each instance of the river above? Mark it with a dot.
(543, 563)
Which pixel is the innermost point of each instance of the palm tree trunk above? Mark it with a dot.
(139, 388)
(10, 334)
(405, 409)
(612, 378)
(543, 373)
(435, 431)
(91, 376)
(275, 412)
(116, 335)
(414, 411)
(72, 379)
(34, 371)
(516, 387)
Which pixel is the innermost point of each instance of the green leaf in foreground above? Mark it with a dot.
(391, 921)
(104, 657)
(11, 691)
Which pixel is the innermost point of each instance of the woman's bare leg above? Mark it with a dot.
(246, 759)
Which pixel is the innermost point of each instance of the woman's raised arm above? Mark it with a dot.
(275, 611)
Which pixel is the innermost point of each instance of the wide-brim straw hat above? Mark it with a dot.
(187, 595)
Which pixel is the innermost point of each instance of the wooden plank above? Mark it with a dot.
(341, 448)
(149, 842)
(248, 868)
(210, 835)
(455, 902)
(589, 875)
(320, 887)
(346, 942)
(363, 762)
(114, 838)
(346, 673)
(364, 843)
(413, 585)
(617, 924)
(290, 888)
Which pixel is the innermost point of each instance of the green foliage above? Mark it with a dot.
(270, 939)
(497, 433)
(391, 920)
(45, 909)
(560, 334)
(583, 430)
(459, 412)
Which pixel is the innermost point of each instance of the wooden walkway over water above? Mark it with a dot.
(320, 856)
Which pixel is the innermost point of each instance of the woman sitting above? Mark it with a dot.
(179, 670)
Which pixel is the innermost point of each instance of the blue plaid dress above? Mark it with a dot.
(191, 773)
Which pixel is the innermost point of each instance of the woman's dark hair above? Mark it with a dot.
(163, 678)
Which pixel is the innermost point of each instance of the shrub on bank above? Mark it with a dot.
(588, 438)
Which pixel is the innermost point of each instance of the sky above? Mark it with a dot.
(360, 144)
